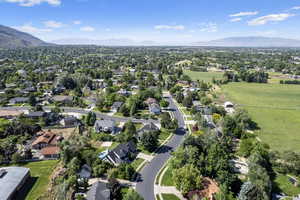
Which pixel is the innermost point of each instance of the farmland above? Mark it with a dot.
(274, 107)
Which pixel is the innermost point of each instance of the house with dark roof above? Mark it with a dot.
(85, 171)
(116, 106)
(17, 100)
(151, 127)
(98, 191)
(69, 121)
(107, 126)
(123, 153)
(36, 115)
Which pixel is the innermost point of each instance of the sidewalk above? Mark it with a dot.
(167, 190)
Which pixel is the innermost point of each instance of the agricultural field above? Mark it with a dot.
(276, 109)
(204, 76)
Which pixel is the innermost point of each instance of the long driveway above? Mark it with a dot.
(84, 111)
(145, 184)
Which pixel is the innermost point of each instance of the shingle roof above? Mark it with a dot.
(98, 191)
(11, 180)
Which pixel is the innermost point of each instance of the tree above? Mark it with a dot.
(32, 100)
(124, 110)
(16, 158)
(188, 101)
(179, 97)
(187, 178)
(90, 119)
(115, 188)
(149, 140)
(132, 195)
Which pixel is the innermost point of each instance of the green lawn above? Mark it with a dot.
(164, 134)
(284, 185)
(169, 197)
(40, 173)
(276, 109)
(137, 163)
(204, 76)
(167, 179)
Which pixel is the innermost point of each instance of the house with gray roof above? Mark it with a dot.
(12, 180)
(123, 153)
(154, 109)
(116, 106)
(98, 191)
(151, 127)
(17, 100)
(107, 126)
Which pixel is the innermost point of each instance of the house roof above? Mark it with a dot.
(19, 99)
(98, 191)
(117, 104)
(62, 98)
(11, 179)
(124, 148)
(50, 150)
(148, 128)
(105, 123)
(46, 137)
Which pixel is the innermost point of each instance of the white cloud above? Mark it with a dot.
(241, 14)
(28, 28)
(269, 18)
(77, 22)
(168, 27)
(53, 24)
(209, 27)
(236, 19)
(29, 3)
(87, 29)
(296, 8)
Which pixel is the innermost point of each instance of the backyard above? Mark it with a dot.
(274, 107)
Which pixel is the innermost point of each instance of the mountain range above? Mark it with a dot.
(12, 38)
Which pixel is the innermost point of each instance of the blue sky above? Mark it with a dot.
(157, 20)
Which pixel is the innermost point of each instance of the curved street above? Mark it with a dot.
(145, 184)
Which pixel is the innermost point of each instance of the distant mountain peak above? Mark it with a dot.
(12, 38)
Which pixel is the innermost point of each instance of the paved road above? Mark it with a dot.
(145, 184)
(85, 111)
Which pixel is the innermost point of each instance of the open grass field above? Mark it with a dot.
(276, 109)
(204, 76)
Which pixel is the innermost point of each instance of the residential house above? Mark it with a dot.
(124, 92)
(98, 191)
(107, 126)
(62, 99)
(123, 153)
(51, 152)
(85, 171)
(116, 106)
(36, 115)
(18, 100)
(69, 121)
(44, 139)
(154, 109)
(151, 127)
